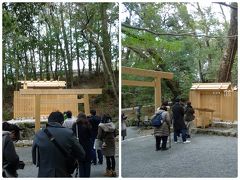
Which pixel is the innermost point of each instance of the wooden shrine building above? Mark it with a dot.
(40, 98)
(214, 101)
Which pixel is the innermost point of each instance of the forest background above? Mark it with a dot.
(74, 42)
(197, 42)
(78, 42)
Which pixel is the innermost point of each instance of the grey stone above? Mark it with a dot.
(206, 156)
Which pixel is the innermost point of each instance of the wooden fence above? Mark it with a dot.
(24, 106)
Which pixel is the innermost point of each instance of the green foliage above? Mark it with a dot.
(6, 115)
(191, 59)
(33, 37)
(48, 40)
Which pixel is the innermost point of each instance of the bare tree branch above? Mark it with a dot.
(224, 16)
(192, 34)
(225, 4)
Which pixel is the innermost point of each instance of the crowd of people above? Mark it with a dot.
(181, 116)
(66, 147)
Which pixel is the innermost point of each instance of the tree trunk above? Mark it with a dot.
(71, 38)
(98, 63)
(108, 70)
(33, 62)
(47, 74)
(64, 60)
(206, 30)
(56, 63)
(70, 73)
(231, 49)
(4, 73)
(202, 79)
(90, 55)
(105, 34)
(26, 63)
(39, 54)
(57, 35)
(106, 51)
(50, 52)
(78, 55)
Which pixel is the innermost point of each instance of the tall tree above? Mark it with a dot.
(66, 47)
(107, 47)
(229, 53)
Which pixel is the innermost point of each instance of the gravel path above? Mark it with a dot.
(205, 156)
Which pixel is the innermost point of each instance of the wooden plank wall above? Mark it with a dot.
(235, 105)
(230, 106)
(24, 105)
(224, 103)
(211, 100)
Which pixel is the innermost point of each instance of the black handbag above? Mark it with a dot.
(71, 162)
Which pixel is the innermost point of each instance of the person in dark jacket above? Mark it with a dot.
(178, 121)
(95, 121)
(188, 118)
(138, 113)
(10, 162)
(47, 156)
(123, 126)
(82, 129)
(107, 134)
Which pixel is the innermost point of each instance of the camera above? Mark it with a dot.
(21, 165)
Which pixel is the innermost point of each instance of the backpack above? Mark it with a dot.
(157, 120)
(188, 114)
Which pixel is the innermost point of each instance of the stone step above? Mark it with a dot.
(217, 131)
(220, 124)
(220, 131)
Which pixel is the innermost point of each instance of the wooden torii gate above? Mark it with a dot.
(157, 75)
(38, 92)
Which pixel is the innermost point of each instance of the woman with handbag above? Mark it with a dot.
(107, 134)
(82, 129)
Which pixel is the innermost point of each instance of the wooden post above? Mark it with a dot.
(157, 92)
(233, 103)
(37, 112)
(86, 104)
(221, 104)
(157, 75)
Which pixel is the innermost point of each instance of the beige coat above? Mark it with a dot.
(164, 129)
(106, 133)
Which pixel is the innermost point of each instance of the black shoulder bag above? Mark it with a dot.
(71, 162)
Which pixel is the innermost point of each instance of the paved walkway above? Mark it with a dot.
(205, 156)
(132, 132)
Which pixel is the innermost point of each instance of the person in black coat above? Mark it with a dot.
(82, 129)
(188, 118)
(178, 121)
(10, 162)
(95, 121)
(47, 156)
